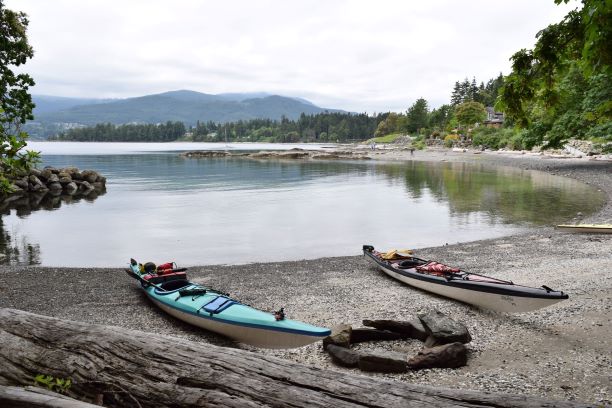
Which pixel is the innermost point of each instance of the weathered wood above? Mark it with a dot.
(135, 368)
(30, 397)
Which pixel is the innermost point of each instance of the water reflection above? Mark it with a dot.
(509, 195)
(233, 210)
(24, 204)
(16, 248)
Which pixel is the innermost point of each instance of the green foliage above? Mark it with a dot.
(417, 116)
(562, 88)
(440, 118)
(56, 384)
(516, 140)
(467, 91)
(419, 144)
(384, 139)
(494, 138)
(15, 101)
(449, 140)
(470, 113)
(388, 125)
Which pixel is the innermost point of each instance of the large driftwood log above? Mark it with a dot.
(33, 397)
(132, 368)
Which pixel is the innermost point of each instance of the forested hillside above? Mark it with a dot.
(178, 106)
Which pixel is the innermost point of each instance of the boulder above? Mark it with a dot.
(22, 183)
(65, 180)
(85, 186)
(89, 176)
(98, 186)
(361, 335)
(383, 362)
(14, 189)
(37, 188)
(70, 170)
(45, 174)
(101, 179)
(55, 186)
(52, 178)
(35, 172)
(70, 188)
(63, 174)
(76, 175)
(408, 329)
(51, 169)
(340, 336)
(34, 180)
(444, 329)
(451, 355)
(343, 356)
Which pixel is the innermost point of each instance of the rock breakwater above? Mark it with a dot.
(47, 188)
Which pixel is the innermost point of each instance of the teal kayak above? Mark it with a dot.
(216, 311)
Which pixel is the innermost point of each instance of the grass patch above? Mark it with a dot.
(384, 139)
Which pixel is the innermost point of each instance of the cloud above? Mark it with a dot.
(354, 55)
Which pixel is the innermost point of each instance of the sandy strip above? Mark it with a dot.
(561, 352)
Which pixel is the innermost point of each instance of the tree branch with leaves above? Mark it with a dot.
(15, 100)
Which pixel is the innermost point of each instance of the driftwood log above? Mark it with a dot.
(128, 368)
(36, 397)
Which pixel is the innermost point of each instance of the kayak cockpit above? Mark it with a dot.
(174, 285)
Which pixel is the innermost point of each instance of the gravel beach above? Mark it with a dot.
(561, 352)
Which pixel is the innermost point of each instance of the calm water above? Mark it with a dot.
(160, 207)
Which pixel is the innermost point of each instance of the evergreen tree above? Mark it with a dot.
(417, 116)
(456, 97)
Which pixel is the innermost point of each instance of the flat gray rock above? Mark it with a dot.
(384, 362)
(343, 356)
(444, 329)
(340, 336)
(452, 355)
(361, 335)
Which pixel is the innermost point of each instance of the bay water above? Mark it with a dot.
(159, 206)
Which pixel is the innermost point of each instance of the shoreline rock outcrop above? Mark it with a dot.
(49, 187)
(292, 154)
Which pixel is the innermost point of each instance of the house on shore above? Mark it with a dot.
(494, 119)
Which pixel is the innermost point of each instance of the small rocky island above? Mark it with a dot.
(47, 188)
(293, 154)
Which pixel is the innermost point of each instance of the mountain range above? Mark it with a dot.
(55, 114)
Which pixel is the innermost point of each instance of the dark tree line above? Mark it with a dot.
(107, 132)
(321, 127)
(485, 94)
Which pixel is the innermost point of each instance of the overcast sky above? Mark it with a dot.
(364, 56)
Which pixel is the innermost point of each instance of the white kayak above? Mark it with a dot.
(478, 290)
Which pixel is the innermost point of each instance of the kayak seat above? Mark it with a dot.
(410, 263)
(218, 304)
(175, 284)
(157, 279)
